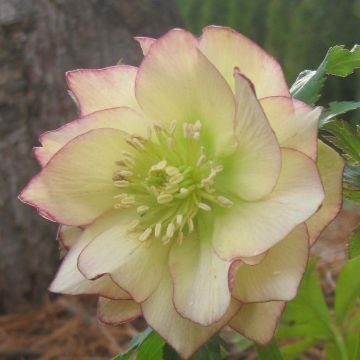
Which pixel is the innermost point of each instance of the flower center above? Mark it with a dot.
(168, 179)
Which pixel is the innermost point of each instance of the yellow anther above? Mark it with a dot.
(190, 224)
(133, 225)
(170, 230)
(225, 202)
(171, 170)
(176, 179)
(121, 183)
(157, 230)
(179, 219)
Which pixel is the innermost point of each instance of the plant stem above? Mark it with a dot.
(339, 341)
(269, 352)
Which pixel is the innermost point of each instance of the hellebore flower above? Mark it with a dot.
(189, 190)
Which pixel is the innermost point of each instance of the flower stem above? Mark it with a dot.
(339, 341)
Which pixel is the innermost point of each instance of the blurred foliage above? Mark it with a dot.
(297, 32)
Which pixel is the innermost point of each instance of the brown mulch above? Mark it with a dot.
(66, 327)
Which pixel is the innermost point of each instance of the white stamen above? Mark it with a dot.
(172, 126)
(157, 230)
(176, 179)
(170, 230)
(164, 198)
(204, 206)
(171, 170)
(179, 219)
(128, 154)
(133, 225)
(190, 224)
(180, 238)
(202, 160)
(121, 183)
(225, 202)
(142, 209)
(145, 235)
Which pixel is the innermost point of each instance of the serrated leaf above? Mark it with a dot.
(151, 348)
(345, 139)
(307, 316)
(347, 289)
(134, 344)
(337, 108)
(341, 61)
(354, 244)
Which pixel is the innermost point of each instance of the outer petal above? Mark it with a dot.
(258, 321)
(98, 89)
(145, 43)
(124, 119)
(255, 165)
(114, 312)
(183, 335)
(331, 167)
(278, 276)
(294, 122)
(251, 228)
(135, 266)
(40, 155)
(227, 49)
(69, 280)
(76, 185)
(68, 235)
(201, 289)
(176, 82)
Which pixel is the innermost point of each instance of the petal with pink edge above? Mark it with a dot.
(278, 275)
(251, 228)
(69, 280)
(254, 168)
(99, 89)
(114, 312)
(176, 82)
(294, 123)
(183, 335)
(135, 266)
(227, 49)
(145, 43)
(258, 321)
(201, 289)
(124, 119)
(76, 186)
(331, 166)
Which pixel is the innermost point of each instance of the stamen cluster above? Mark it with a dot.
(168, 179)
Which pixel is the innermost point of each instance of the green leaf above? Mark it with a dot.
(210, 351)
(134, 344)
(341, 61)
(345, 139)
(347, 289)
(354, 244)
(151, 348)
(332, 352)
(241, 343)
(170, 353)
(269, 352)
(307, 316)
(293, 350)
(353, 195)
(338, 108)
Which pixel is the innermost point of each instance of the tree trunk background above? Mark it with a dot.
(39, 41)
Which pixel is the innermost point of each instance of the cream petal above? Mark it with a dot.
(114, 312)
(68, 235)
(134, 265)
(201, 288)
(145, 43)
(294, 123)
(124, 119)
(258, 321)
(278, 275)
(183, 335)
(254, 167)
(227, 49)
(76, 186)
(99, 89)
(251, 228)
(331, 166)
(176, 82)
(69, 279)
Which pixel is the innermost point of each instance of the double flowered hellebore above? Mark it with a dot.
(189, 190)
